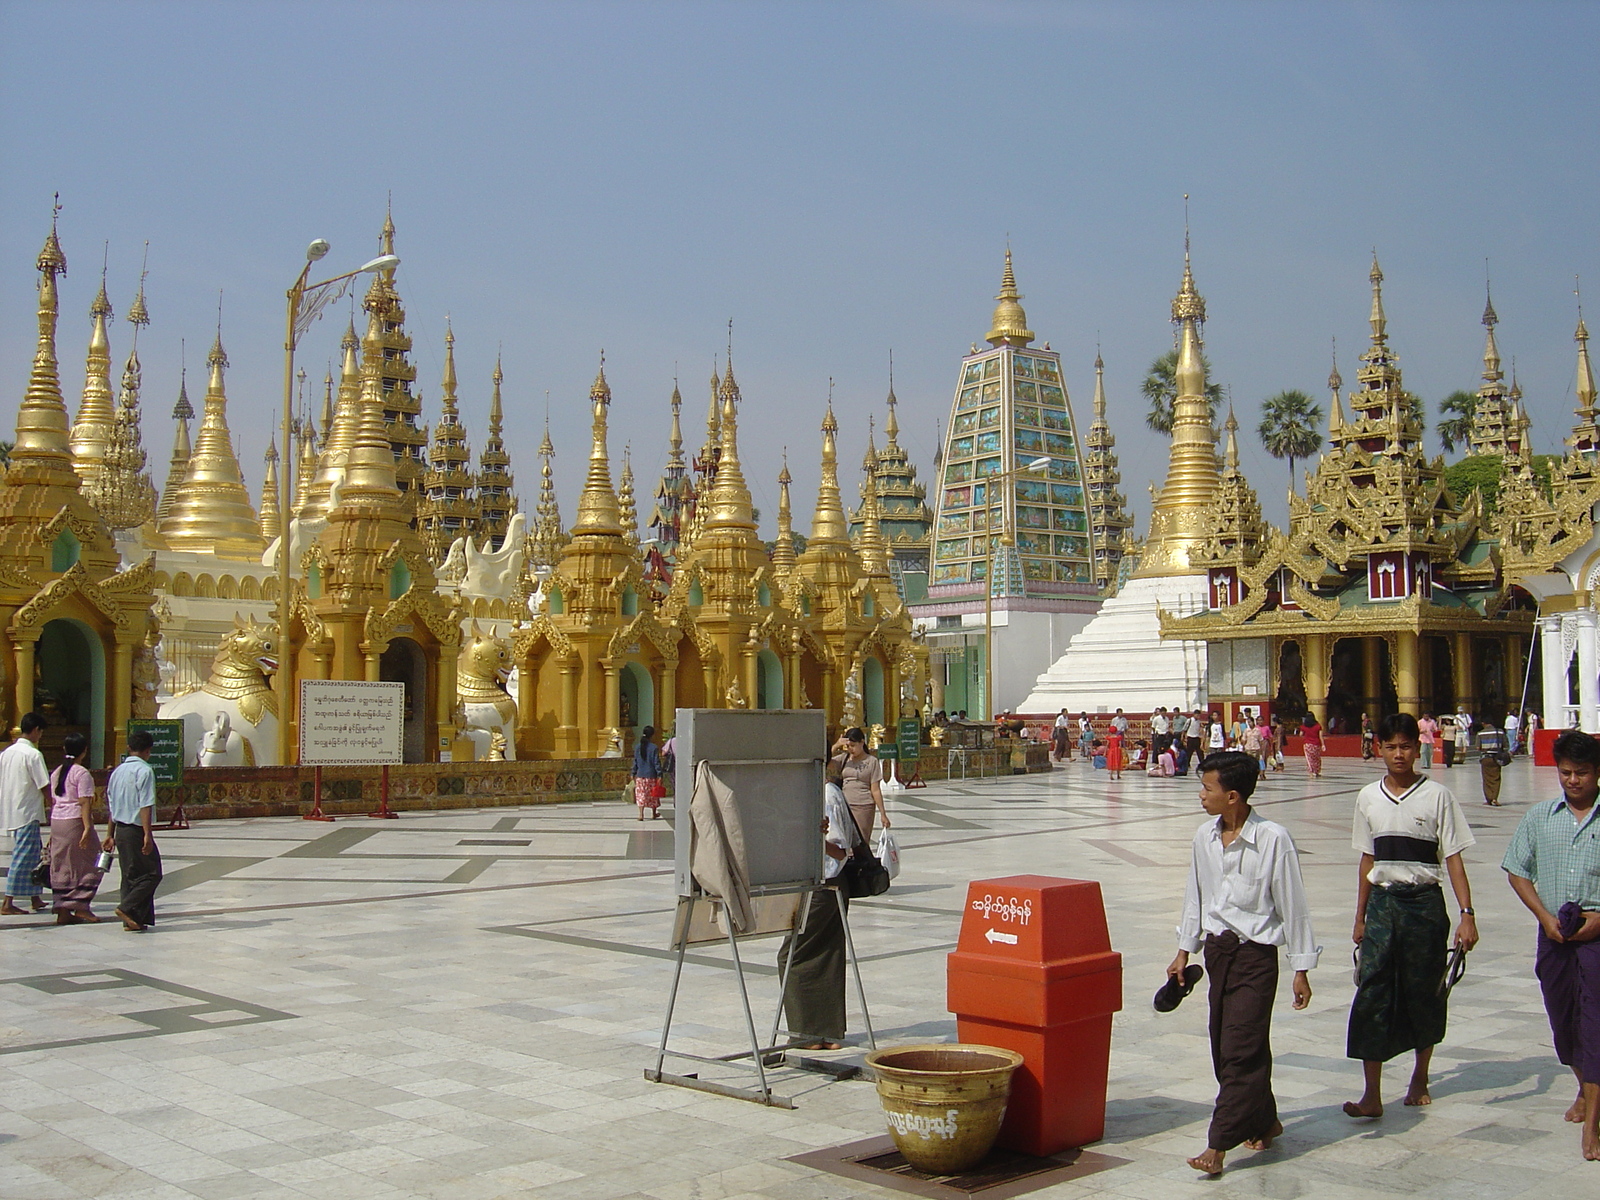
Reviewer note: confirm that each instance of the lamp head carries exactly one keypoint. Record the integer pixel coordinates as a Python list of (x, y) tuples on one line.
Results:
[(384, 262), (1037, 464), (316, 250)]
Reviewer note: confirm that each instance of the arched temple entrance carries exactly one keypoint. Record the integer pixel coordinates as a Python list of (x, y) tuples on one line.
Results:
[(769, 680), (70, 687), (638, 693), (404, 662)]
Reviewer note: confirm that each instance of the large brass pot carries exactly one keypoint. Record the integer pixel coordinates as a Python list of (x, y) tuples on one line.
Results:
[(944, 1103)]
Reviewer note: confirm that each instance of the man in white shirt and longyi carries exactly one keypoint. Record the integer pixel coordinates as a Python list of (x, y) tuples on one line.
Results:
[(1244, 900)]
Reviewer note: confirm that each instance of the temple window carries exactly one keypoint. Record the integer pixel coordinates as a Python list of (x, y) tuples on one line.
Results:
[(399, 579)]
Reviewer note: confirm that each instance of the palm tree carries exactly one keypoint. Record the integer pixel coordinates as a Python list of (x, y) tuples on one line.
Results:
[(1161, 389), (1291, 427), (1455, 412)]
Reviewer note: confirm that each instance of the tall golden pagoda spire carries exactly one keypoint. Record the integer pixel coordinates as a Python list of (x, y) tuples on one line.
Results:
[(369, 486), (496, 503), (1010, 325), (212, 510), (326, 424), (340, 434), (391, 346), (783, 557), (627, 504), (121, 490), (1182, 511), (269, 493), (675, 490), (178, 464), (1102, 478), (1493, 429), (41, 453), (828, 527), (598, 511), (729, 502), (448, 505), (547, 537), (91, 433), (870, 545)]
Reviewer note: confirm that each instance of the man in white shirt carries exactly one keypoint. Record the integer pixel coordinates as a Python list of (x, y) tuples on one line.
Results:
[(1160, 732), (23, 779), (1243, 900), (1061, 738), (1409, 832)]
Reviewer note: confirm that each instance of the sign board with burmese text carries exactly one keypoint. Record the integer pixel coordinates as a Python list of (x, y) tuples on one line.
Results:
[(351, 723)]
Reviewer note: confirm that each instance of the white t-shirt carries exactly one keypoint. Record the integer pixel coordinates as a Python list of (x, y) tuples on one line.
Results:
[(1409, 835), (1159, 723), (1217, 739)]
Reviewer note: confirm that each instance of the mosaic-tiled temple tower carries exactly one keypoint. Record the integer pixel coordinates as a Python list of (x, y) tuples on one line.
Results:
[(1010, 408)]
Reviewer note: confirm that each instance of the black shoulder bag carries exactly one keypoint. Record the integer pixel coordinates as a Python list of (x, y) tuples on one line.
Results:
[(863, 874)]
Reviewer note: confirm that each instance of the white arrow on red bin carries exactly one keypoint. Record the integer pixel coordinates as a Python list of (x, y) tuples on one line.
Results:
[(994, 935)]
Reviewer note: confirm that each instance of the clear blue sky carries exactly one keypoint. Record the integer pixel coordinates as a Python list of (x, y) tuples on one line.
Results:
[(839, 179)]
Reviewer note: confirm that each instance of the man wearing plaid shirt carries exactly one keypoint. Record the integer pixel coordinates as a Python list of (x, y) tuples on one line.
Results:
[(1554, 867)]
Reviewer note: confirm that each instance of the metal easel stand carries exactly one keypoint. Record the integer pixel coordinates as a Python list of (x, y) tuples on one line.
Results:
[(759, 1056)]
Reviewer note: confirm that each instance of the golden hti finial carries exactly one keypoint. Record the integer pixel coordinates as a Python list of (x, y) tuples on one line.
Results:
[(675, 437), (1491, 350), (1188, 304), (1335, 404), (783, 556), (1231, 455), (1010, 324), (891, 423), (1587, 397), (599, 512), (828, 524), (1099, 386), (1378, 321)]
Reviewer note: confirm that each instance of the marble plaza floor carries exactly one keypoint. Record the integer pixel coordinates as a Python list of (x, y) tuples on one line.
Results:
[(462, 1004)]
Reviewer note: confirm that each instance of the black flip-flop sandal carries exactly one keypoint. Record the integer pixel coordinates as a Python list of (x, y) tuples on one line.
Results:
[(1172, 992), (1454, 970)]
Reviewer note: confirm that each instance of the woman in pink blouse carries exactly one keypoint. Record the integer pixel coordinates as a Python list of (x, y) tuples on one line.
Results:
[(1428, 730), (74, 877)]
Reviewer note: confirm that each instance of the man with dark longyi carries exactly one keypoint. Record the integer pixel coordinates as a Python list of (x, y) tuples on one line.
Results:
[(1410, 833), (1553, 864), (1244, 900)]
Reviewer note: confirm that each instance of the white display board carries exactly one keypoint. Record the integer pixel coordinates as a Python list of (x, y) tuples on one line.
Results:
[(351, 723)]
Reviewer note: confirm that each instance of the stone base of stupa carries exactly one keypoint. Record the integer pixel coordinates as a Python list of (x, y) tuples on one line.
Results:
[(1120, 660)]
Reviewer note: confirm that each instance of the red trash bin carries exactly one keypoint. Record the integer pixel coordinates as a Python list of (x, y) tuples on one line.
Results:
[(1034, 972)]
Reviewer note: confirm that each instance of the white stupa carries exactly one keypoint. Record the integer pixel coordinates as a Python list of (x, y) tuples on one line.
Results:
[(1120, 660)]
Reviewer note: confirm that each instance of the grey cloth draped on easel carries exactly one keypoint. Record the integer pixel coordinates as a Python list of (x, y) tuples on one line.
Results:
[(716, 847)]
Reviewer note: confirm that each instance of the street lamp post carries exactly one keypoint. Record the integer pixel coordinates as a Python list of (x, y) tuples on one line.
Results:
[(1006, 539), (306, 304)]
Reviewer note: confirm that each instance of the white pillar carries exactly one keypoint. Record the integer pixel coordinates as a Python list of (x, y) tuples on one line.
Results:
[(1588, 680), (1553, 672)]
